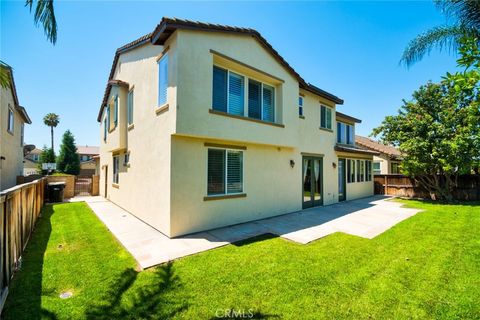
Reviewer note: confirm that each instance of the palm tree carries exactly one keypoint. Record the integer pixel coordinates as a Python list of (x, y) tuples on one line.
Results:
[(465, 13), (45, 14), (51, 120)]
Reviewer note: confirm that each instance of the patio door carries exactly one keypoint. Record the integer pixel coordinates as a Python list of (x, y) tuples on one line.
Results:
[(342, 180), (312, 182)]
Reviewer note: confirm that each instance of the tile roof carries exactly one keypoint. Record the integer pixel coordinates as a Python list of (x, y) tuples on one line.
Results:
[(168, 25), (88, 150), (377, 146)]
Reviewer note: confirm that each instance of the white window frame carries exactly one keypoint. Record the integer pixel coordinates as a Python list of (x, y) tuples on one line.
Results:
[(10, 120), (162, 58), (246, 78), (130, 113), (300, 106), (379, 170), (116, 175), (327, 109), (226, 193), (22, 134)]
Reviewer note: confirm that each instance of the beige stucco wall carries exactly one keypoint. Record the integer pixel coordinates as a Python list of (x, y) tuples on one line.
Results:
[(385, 163), (144, 185), (10, 144), (165, 182)]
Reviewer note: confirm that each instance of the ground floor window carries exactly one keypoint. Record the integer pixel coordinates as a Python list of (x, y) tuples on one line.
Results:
[(395, 168), (350, 171), (368, 170), (116, 161), (376, 168), (225, 171)]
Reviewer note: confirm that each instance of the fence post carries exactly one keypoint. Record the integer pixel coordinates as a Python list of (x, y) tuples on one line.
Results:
[(386, 185)]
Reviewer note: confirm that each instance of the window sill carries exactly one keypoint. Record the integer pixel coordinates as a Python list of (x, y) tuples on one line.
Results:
[(225, 196), (161, 109), (326, 129), (301, 117), (116, 185), (225, 114), (111, 130), (130, 127), (11, 132)]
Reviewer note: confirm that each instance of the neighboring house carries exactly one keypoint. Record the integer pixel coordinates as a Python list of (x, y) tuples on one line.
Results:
[(12, 120), (387, 161), (204, 126), (30, 167), (86, 153), (34, 155)]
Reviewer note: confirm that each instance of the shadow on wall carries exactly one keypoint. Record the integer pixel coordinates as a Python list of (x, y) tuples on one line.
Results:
[(153, 300)]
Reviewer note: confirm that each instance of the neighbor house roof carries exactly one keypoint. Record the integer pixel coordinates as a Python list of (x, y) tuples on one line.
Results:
[(88, 150), (168, 25), (370, 144), (354, 149), (18, 107)]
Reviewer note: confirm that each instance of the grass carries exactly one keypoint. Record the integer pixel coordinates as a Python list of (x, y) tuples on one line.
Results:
[(425, 267)]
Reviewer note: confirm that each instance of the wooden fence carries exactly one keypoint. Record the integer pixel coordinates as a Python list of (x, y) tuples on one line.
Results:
[(401, 186), (19, 209)]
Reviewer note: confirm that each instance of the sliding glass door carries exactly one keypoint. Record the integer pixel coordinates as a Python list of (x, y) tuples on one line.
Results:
[(312, 180)]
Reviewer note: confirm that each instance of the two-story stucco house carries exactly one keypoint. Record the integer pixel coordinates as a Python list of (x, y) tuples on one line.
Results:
[(204, 126), (12, 120)]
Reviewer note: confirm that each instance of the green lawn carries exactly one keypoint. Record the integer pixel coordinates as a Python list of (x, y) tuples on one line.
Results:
[(425, 267)]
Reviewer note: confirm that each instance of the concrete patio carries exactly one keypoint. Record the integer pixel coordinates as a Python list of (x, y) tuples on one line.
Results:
[(365, 218)]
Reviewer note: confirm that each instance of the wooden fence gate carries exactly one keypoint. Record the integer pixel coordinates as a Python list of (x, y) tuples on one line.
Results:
[(83, 186), (19, 209)]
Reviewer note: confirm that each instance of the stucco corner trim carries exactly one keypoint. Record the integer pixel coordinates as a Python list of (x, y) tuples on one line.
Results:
[(326, 129), (225, 114), (225, 196), (225, 146), (162, 109)]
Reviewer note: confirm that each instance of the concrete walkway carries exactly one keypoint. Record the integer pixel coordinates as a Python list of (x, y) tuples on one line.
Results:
[(366, 218)]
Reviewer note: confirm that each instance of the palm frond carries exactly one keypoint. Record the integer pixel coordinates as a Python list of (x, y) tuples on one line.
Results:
[(442, 38), (467, 12), (4, 75), (45, 14)]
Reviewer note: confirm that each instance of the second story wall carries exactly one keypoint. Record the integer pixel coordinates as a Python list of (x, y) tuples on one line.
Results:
[(198, 54)]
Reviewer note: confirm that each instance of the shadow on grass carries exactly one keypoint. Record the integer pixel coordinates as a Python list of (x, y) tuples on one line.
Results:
[(156, 299), (255, 239), (26, 285)]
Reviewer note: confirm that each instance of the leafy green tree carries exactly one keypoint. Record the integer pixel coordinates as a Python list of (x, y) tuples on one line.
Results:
[(466, 17), (52, 120), (438, 131), (46, 156), (44, 14), (68, 160)]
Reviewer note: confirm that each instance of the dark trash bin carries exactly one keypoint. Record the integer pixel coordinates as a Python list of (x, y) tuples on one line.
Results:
[(55, 191)]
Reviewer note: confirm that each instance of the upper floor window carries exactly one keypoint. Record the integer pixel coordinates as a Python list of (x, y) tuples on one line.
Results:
[(10, 121), (162, 80), (300, 106), (325, 117), (115, 112), (345, 133), (105, 128), (22, 134), (225, 171), (130, 107), (229, 95), (108, 118)]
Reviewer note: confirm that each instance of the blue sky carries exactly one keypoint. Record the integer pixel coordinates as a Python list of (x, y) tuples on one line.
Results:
[(350, 49)]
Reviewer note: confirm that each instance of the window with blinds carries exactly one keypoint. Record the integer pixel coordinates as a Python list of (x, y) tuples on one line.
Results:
[(115, 112), (116, 164), (236, 93), (130, 107), (162, 80), (219, 99), (230, 90), (225, 172)]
